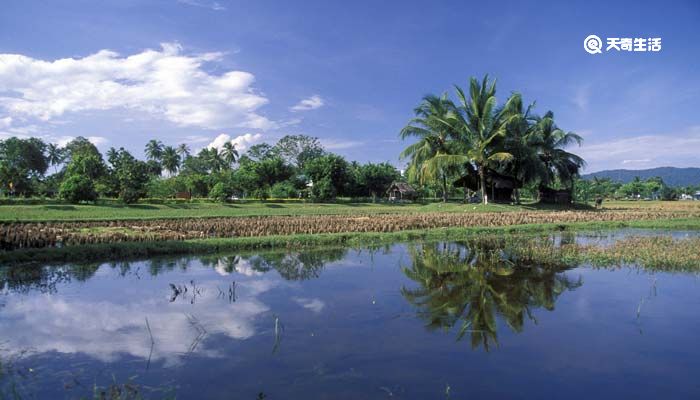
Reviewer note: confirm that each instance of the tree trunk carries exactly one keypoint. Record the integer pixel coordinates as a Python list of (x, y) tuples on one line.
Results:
[(444, 188), (482, 177)]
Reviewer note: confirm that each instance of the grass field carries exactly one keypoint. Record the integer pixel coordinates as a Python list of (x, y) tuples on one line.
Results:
[(116, 211)]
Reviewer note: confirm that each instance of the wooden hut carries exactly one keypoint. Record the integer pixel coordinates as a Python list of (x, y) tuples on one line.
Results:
[(553, 196), (499, 187), (399, 191)]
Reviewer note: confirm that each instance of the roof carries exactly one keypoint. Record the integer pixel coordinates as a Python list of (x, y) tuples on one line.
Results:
[(402, 187)]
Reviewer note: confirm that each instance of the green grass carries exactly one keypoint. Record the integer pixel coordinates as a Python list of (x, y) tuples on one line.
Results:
[(136, 250), (114, 211)]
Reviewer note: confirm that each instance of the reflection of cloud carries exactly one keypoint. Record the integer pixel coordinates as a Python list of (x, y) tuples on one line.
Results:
[(105, 329), (316, 305), (242, 267)]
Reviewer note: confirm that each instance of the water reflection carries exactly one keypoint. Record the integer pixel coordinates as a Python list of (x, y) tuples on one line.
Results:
[(467, 285)]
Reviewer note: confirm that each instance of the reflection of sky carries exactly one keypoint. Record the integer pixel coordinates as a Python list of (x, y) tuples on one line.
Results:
[(79, 319), (352, 331)]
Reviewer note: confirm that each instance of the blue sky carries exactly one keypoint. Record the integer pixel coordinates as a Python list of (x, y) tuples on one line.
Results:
[(350, 73)]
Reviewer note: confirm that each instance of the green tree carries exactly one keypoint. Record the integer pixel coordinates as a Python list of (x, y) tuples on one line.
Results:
[(298, 149), (229, 153), (329, 173), (559, 163), (55, 155), (170, 160), (21, 162), (154, 150), (77, 188), (480, 126), (374, 179), (432, 156)]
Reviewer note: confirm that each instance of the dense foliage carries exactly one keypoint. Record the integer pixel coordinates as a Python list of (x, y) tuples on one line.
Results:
[(475, 138), (297, 166)]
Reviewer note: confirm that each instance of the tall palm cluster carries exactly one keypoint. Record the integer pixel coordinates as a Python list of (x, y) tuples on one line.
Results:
[(475, 137), (171, 159)]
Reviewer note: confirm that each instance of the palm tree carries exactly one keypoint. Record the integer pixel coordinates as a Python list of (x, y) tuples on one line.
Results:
[(183, 150), (55, 155), (229, 153), (522, 141), (112, 155), (557, 161), (171, 160), (154, 150), (431, 154), (480, 125)]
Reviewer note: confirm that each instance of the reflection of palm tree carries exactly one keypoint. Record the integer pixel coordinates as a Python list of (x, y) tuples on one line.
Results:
[(466, 283)]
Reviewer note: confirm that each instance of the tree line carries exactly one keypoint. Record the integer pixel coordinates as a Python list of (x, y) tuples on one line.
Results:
[(475, 137), (296, 166)]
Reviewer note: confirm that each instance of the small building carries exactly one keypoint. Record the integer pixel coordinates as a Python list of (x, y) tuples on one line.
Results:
[(399, 191), (696, 196), (553, 196), (499, 187)]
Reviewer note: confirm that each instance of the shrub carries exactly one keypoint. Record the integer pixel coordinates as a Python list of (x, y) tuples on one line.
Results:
[(323, 190), (77, 188), (220, 192), (284, 190)]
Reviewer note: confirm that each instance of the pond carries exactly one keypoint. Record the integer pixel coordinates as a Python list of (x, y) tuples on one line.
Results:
[(407, 321)]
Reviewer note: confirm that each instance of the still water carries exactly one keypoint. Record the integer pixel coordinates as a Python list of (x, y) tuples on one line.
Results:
[(406, 321)]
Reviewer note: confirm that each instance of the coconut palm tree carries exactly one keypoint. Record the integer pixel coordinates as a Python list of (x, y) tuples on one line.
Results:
[(183, 150), (171, 160), (557, 161), (229, 153), (522, 141), (55, 155), (154, 150), (430, 156), (480, 125)]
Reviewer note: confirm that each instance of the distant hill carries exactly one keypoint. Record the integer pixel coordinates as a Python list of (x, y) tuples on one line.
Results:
[(672, 176)]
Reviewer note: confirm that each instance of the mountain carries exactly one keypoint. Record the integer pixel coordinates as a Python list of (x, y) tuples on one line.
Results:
[(672, 176)]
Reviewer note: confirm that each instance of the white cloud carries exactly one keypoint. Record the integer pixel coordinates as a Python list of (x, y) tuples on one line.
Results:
[(242, 142), (646, 151), (61, 141), (215, 5), (311, 103), (164, 83), (332, 144), (5, 122), (582, 97)]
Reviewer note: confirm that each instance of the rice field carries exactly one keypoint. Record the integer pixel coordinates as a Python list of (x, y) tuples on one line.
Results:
[(23, 235)]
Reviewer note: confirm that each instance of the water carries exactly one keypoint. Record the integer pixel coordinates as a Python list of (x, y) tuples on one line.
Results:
[(342, 324)]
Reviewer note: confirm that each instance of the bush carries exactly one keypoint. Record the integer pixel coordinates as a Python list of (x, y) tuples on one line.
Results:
[(220, 192), (77, 188), (323, 190), (284, 190)]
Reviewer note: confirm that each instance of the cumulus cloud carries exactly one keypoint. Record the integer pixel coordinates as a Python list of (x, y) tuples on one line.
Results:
[(311, 103), (242, 142), (165, 83), (646, 151)]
